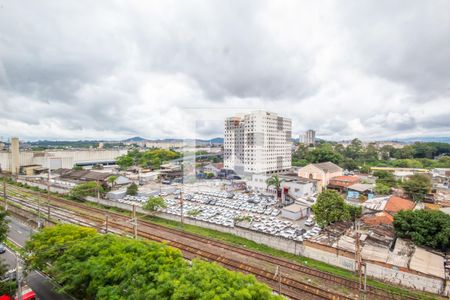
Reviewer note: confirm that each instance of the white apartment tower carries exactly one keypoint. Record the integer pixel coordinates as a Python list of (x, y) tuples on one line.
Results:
[(309, 137), (259, 142)]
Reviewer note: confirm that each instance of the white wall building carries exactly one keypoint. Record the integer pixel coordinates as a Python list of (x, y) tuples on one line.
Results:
[(258, 143), (308, 138), (13, 160)]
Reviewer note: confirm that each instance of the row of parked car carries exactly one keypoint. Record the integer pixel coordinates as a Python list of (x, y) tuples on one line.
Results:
[(225, 209), (259, 205), (136, 200), (282, 228), (202, 212)]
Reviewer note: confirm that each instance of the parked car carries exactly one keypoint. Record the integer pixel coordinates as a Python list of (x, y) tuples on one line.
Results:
[(2, 248)]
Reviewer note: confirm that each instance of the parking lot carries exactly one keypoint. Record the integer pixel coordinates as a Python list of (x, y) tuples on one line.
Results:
[(256, 212)]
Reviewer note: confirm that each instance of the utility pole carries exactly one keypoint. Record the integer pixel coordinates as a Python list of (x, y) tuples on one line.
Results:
[(106, 222), (135, 222), (48, 190), (39, 210), (182, 204), (98, 192), (181, 196), (278, 273), (362, 277), (19, 278), (4, 193)]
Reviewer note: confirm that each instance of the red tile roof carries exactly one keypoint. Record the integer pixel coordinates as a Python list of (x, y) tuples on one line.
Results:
[(378, 219), (344, 181), (396, 204)]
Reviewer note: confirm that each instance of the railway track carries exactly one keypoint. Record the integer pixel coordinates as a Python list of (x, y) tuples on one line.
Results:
[(372, 292), (293, 289)]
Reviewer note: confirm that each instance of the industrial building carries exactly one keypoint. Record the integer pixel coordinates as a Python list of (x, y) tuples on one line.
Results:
[(15, 160)]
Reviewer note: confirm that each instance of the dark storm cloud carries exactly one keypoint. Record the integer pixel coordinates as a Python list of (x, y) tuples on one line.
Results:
[(112, 69)]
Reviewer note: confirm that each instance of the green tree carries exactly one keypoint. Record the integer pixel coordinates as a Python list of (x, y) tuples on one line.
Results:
[(417, 187), (382, 189), (82, 190), (112, 180), (371, 153), (364, 169), (154, 203), (385, 178), (275, 181), (3, 226), (95, 266), (330, 207), (355, 149), (405, 152), (349, 164), (7, 287), (77, 168), (132, 189), (424, 227), (324, 153), (354, 211), (387, 152), (124, 161)]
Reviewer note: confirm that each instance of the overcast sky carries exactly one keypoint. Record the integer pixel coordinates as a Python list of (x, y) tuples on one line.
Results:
[(160, 69)]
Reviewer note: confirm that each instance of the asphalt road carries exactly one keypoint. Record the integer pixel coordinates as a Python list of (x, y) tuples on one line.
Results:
[(41, 284)]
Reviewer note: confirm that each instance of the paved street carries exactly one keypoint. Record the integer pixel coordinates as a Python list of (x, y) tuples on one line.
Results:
[(40, 284)]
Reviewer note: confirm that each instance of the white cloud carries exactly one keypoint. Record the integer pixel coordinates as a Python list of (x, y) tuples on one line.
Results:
[(83, 69)]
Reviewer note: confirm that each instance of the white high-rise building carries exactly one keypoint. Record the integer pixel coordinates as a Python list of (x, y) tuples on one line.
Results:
[(259, 142), (308, 138)]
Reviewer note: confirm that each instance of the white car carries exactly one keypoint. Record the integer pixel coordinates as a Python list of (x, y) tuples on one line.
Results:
[(316, 229)]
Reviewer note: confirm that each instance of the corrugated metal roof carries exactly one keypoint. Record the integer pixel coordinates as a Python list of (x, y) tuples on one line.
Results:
[(427, 262), (375, 252), (328, 167)]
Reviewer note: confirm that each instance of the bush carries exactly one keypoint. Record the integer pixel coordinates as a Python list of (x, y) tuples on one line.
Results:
[(132, 189)]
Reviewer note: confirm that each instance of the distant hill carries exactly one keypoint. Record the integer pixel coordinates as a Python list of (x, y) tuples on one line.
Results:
[(135, 139), (217, 140)]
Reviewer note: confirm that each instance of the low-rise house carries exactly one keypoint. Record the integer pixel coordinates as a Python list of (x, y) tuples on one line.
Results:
[(296, 187), (170, 171), (388, 258), (354, 191), (322, 172), (396, 204), (379, 218), (340, 183), (121, 180), (295, 211), (441, 177), (375, 204), (213, 168)]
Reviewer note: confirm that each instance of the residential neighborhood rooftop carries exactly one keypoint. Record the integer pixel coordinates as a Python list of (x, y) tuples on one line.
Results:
[(396, 204)]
